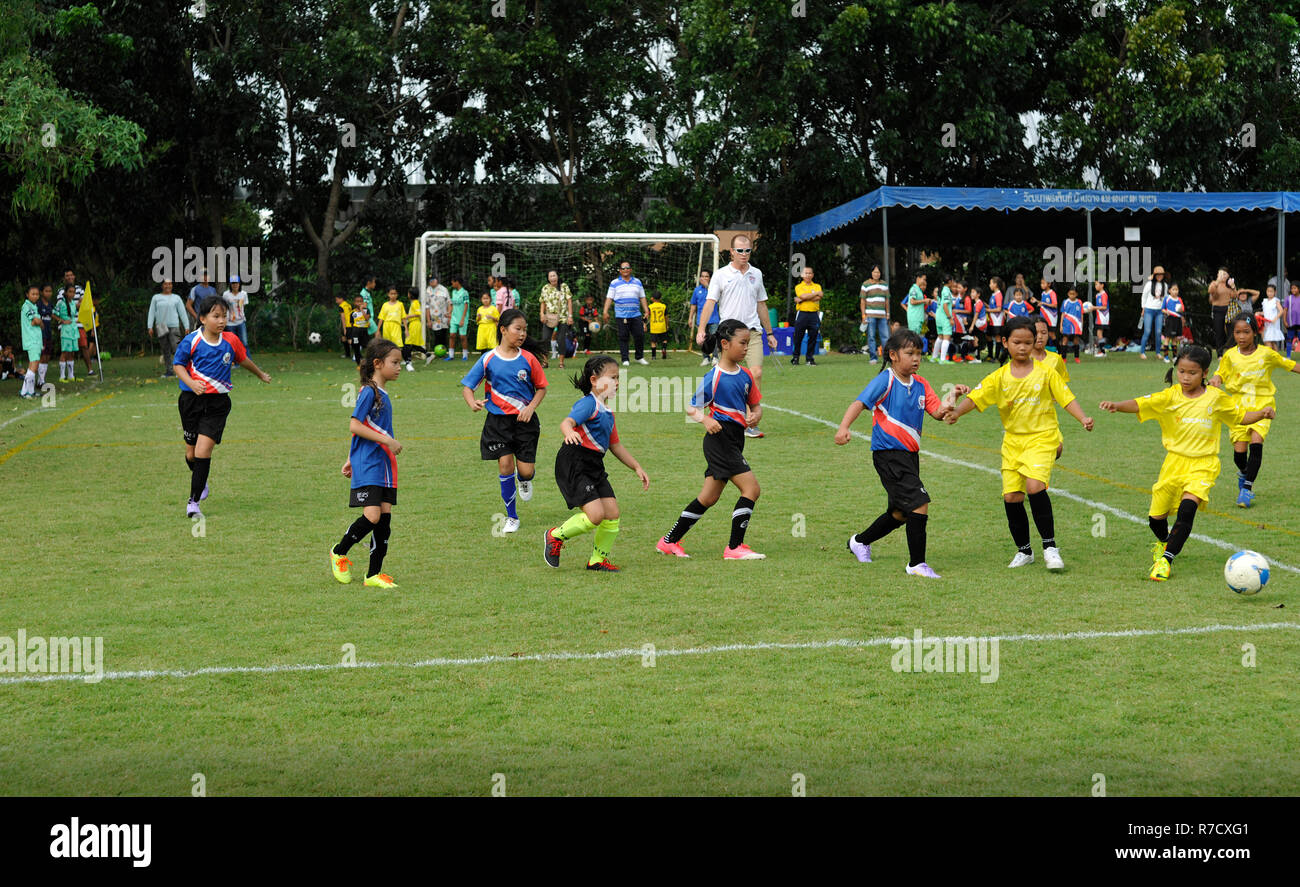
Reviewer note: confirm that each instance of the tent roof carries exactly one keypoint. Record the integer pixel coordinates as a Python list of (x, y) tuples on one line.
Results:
[(989, 204)]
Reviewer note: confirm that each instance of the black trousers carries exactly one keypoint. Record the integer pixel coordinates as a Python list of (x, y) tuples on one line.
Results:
[(634, 327), (806, 322), (1219, 320)]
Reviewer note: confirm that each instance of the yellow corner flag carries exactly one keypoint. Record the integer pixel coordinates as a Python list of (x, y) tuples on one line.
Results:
[(86, 313)]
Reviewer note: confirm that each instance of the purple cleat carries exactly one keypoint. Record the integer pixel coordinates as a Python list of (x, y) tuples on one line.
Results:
[(204, 494), (192, 509), (860, 550), (923, 570)]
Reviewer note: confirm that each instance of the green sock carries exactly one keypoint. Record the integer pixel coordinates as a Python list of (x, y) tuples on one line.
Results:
[(574, 527), (604, 541)]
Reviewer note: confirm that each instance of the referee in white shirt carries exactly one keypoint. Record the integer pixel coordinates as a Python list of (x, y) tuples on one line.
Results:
[(737, 292)]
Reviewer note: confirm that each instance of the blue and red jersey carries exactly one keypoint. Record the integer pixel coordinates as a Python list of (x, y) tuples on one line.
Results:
[(1018, 309), (1072, 317), (961, 313), (1047, 306), (897, 408), (210, 364), (594, 423), (1173, 306), (981, 314), (373, 464), (727, 394), (510, 383)]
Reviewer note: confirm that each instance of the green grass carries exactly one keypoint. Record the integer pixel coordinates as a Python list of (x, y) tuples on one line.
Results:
[(92, 493)]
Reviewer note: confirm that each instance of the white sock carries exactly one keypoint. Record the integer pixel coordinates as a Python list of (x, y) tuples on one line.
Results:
[(29, 383), (943, 349), (40, 377)]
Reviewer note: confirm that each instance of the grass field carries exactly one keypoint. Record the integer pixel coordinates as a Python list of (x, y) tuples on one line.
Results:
[(762, 670)]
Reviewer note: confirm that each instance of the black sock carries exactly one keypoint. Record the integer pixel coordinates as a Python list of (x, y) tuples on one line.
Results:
[(189, 463), (916, 538), (690, 514), (1041, 505), (379, 543), (1240, 460), (358, 531), (879, 529), (199, 477), (740, 521), (1252, 464), (1182, 528), (1018, 521), (1159, 526)]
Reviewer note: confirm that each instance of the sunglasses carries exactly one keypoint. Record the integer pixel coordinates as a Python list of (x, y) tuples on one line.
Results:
[(743, 252), (625, 268)]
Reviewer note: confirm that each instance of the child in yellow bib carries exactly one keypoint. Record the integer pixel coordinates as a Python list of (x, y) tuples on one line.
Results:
[(1246, 371), (392, 314), (1024, 391), (1190, 416), (658, 324)]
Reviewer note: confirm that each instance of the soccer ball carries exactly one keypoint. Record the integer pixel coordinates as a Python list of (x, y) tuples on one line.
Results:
[(594, 326), (440, 351), (314, 338), (1246, 572)]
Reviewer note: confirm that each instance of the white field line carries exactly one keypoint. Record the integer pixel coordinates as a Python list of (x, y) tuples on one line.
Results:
[(22, 416), (1056, 491), (637, 652)]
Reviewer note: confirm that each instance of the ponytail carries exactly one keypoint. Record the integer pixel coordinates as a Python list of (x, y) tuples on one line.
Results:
[(378, 349)]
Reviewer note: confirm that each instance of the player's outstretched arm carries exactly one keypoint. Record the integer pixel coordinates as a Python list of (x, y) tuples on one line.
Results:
[(253, 368), (1076, 411), (1123, 406), (620, 452), (842, 434)]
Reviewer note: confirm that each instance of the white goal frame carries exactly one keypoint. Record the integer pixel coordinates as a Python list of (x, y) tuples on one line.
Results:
[(420, 267)]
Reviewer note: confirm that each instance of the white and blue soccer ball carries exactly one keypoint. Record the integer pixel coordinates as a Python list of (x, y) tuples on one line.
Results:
[(1246, 572), (314, 338)]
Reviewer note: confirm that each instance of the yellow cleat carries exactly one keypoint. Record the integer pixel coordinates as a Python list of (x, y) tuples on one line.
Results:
[(341, 566), (381, 580), (1160, 570), (1157, 551)]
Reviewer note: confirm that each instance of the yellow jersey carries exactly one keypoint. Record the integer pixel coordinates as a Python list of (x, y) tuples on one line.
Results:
[(804, 290), (391, 316), (486, 317), (658, 317), (1054, 361), (1249, 376), (1189, 426), (1025, 405), (415, 328)]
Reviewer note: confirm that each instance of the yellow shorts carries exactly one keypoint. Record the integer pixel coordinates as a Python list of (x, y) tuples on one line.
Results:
[(1028, 455), (1241, 433), (1179, 475)]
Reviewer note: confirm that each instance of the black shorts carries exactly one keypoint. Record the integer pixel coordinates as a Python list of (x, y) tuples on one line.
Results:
[(900, 475), (1101, 330), (360, 497), (580, 475), (503, 435), (724, 452), (203, 414), (358, 335), (1173, 327)]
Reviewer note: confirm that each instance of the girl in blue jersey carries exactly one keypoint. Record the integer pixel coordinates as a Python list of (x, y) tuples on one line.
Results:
[(1047, 306), (372, 464), (514, 384), (202, 363), (1071, 324), (731, 393), (589, 432), (898, 400)]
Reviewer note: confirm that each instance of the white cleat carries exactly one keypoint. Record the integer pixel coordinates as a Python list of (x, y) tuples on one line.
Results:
[(1052, 558), (643, 361), (511, 525), (704, 362), (525, 490), (1020, 560)]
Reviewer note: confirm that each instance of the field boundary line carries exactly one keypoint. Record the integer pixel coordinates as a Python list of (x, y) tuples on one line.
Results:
[(638, 652), (66, 419), (1056, 491)]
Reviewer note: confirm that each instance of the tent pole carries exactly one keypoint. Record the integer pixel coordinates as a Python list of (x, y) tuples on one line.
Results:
[(1281, 253), (884, 232), (1092, 272)]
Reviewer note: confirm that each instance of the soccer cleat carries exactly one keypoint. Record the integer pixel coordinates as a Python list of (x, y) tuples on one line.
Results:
[(511, 525), (704, 362), (525, 489), (794, 361), (1052, 558), (192, 509), (625, 363), (673, 548), (1157, 551), (603, 566), (1245, 498), (449, 357), (551, 548), (204, 494), (860, 550), (410, 367), (341, 566), (1020, 560), (1159, 570), (811, 362), (1241, 481), (643, 361), (742, 552), (752, 432), (923, 569), (381, 580), (1076, 359), (973, 360)]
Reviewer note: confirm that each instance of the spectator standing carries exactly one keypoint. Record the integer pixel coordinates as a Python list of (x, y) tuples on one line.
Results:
[(697, 305), (168, 321), (807, 315), (236, 310), (556, 310), (1153, 305), (198, 293), (628, 298), (874, 303)]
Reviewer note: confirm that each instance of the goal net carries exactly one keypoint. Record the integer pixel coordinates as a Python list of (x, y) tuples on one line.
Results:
[(587, 262)]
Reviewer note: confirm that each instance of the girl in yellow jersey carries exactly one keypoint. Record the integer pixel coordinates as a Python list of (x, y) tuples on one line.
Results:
[(1023, 391), (414, 322), (1246, 371), (392, 316), (1189, 415)]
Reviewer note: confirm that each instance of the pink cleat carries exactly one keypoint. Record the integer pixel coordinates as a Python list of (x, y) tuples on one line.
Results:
[(741, 552), (860, 550), (673, 548), (923, 570)]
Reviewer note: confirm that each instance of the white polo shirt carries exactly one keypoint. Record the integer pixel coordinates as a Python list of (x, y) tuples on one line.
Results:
[(737, 294)]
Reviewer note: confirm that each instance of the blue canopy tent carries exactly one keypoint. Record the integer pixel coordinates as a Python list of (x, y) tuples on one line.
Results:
[(989, 216)]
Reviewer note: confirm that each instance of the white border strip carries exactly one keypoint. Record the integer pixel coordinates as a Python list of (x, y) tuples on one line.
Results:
[(1056, 491), (636, 653)]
